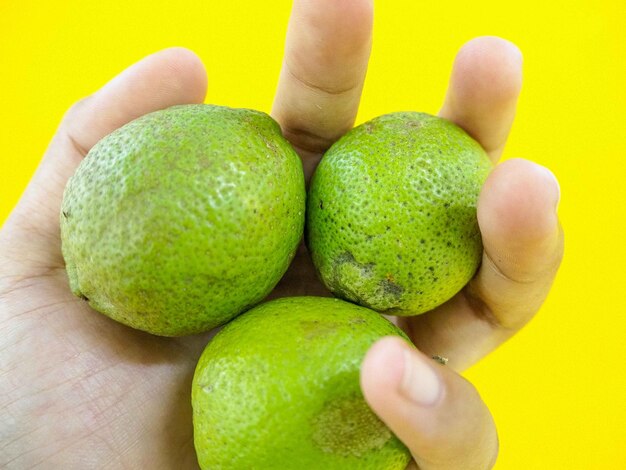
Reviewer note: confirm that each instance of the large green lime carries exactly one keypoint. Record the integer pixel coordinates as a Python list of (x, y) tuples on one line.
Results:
[(278, 388), (181, 219), (391, 218)]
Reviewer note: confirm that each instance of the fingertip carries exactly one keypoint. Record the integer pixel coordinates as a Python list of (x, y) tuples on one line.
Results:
[(174, 75), (397, 379), (165, 78), (488, 65), (382, 370), (188, 74), (519, 202), (332, 31)]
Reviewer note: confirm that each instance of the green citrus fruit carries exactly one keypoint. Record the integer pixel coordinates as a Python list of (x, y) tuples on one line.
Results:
[(391, 218), (181, 219), (278, 388)]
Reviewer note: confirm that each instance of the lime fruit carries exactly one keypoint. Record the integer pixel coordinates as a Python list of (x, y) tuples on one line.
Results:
[(278, 388), (391, 213), (183, 218)]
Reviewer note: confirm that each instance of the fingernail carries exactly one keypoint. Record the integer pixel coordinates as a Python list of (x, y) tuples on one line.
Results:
[(420, 383)]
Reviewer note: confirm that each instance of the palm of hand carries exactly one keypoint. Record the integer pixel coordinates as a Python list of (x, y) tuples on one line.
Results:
[(102, 389)]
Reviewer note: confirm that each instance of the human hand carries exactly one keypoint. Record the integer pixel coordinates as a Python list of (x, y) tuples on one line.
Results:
[(79, 390)]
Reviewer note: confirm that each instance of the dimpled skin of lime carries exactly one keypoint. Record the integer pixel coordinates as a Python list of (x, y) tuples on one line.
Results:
[(391, 213), (181, 219), (278, 388)]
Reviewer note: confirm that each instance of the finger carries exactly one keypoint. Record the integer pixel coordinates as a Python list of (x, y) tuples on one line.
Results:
[(170, 77), (166, 78), (482, 95), (326, 53), (523, 247), (436, 413)]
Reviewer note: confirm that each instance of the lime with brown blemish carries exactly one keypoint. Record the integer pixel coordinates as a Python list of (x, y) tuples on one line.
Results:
[(178, 221), (391, 213), (278, 388)]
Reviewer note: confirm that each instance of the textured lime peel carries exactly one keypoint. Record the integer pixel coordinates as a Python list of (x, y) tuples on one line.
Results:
[(278, 389), (181, 219), (391, 213)]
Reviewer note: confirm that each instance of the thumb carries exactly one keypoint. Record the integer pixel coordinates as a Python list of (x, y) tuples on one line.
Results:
[(436, 413)]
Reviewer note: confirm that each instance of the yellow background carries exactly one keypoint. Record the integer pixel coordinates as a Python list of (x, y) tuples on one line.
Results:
[(557, 390)]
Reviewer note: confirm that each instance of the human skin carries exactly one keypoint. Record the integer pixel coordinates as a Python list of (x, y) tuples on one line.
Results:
[(78, 390)]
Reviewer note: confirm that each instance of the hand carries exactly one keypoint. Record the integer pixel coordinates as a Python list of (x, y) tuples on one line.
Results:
[(79, 390)]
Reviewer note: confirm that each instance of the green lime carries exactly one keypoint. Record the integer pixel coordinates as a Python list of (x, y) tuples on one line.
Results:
[(278, 388), (183, 218), (391, 218)]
